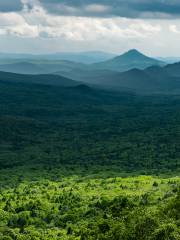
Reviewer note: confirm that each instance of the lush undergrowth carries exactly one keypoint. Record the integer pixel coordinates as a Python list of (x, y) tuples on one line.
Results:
[(68, 203)]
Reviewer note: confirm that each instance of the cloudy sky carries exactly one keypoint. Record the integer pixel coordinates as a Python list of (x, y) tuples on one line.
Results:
[(42, 26)]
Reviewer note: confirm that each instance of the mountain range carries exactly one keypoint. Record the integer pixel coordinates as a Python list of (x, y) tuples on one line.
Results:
[(131, 71), (129, 60)]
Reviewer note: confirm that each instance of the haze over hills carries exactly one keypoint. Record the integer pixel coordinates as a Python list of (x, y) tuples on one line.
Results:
[(132, 71), (85, 57), (53, 63), (152, 79), (41, 67), (79, 57), (169, 60), (147, 81)]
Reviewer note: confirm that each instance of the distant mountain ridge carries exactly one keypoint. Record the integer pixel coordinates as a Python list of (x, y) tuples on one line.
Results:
[(40, 67), (129, 60), (88, 57), (143, 74), (169, 60), (22, 68), (154, 79)]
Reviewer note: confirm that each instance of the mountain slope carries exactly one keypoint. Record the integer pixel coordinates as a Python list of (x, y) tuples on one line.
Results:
[(134, 79), (129, 60), (40, 67), (22, 68), (173, 69), (45, 79)]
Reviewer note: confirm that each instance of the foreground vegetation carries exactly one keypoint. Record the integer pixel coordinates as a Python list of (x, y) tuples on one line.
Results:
[(69, 203), (80, 163)]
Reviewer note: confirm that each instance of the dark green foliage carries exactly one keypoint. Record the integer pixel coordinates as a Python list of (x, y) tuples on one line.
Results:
[(80, 125)]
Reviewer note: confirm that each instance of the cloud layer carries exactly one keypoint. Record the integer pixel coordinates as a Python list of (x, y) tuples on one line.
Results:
[(66, 25), (101, 8), (109, 8), (37, 22)]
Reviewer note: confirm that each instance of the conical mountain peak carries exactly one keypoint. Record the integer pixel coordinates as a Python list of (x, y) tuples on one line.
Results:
[(133, 51)]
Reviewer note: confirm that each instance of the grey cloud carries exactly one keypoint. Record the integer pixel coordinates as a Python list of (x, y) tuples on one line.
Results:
[(10, 5), (101, 8), (123, 8)]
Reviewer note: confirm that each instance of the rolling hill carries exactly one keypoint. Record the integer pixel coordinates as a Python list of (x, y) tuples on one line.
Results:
[(40, 67), (22, 68), (160, 79), (44, 79)]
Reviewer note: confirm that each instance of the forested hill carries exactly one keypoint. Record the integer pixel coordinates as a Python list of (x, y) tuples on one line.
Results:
[(90, 127), (44, 79)]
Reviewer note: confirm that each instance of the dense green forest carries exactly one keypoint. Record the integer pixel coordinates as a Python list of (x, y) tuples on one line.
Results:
[(83, 163)]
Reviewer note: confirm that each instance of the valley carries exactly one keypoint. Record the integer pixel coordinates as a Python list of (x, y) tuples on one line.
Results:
[(90, 154)]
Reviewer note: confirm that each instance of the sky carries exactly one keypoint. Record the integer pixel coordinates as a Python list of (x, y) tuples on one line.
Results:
[(46, 26)]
